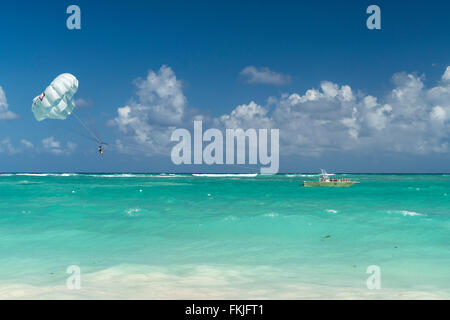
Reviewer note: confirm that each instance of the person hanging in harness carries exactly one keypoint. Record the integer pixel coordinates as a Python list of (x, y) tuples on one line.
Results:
[(100, 150)]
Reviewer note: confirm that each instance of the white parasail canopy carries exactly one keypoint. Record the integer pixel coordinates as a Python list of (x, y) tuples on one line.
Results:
[(56, 102)]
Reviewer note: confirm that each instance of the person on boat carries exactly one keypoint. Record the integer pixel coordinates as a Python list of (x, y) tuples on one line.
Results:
[(100, 150)]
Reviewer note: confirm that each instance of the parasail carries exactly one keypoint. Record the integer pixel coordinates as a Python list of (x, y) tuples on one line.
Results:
[(56, 102)]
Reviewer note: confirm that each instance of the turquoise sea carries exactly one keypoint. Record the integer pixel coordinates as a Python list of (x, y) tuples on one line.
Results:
[(183, 236)]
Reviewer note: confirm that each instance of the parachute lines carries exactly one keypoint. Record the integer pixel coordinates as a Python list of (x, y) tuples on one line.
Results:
[(93, 135)]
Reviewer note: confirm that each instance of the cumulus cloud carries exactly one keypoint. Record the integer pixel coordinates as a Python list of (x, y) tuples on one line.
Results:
[(410, 118), (446, 75), (7, 147), (264, 75), (27, 143), (53, 146), (149, 118), (5, 113), (83, 103)]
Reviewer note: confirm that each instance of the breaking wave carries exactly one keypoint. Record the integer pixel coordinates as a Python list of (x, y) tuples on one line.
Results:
[(224, 175), (304, 175), (43, 174), (407, 213)]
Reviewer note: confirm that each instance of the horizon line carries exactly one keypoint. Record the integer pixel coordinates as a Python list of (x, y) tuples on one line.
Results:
[(258, 173)]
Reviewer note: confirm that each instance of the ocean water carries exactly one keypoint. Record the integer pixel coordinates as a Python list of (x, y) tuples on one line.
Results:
[(158, 236)]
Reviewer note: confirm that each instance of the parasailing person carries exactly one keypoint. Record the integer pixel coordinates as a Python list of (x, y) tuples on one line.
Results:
[(56, 102)]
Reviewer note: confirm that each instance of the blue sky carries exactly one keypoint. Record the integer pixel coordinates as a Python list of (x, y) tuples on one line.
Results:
[(263, 56)]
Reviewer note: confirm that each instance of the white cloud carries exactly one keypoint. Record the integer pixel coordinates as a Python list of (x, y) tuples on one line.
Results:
[(264, 75), (7, 147), (53, 146), (48, 145), (80, 102), (71, 146), (407, 120), (439, 114), (446, 75), (5, 114), (159, 106), (245, 115), (27, 143), (411, 118)]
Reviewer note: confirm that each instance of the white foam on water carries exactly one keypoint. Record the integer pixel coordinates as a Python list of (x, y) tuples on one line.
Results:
[(271, 215), (133, 212), (136, 175), (224, 175), (172, 175), (411, 213), (407, 213), (120, 175), (230, 218), (332, 211), (46, 174), (303, 175)]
